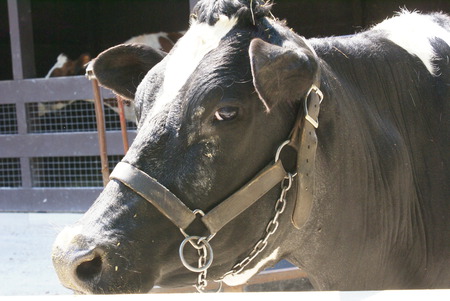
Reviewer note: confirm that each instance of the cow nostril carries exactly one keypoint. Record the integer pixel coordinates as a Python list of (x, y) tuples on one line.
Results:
[(90, 269)]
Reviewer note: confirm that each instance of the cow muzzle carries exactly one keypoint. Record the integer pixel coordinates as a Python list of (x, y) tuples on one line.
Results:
[(92, 262), (78, 265)]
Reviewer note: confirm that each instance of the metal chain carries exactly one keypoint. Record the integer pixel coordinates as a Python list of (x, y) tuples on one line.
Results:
[(201, 279), (271, 228), (202, 244)]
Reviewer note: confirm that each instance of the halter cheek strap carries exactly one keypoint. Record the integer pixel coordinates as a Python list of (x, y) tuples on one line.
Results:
[(238, 202), (306, 156)]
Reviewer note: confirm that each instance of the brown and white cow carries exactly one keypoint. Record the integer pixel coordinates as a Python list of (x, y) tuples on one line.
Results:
[(65, 66)]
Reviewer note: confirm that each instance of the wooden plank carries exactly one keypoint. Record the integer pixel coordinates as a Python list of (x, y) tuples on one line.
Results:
[(60, 144), (25, 171), (278, 275), (48, 199), (267, 276), (52, 89), (285, 296)]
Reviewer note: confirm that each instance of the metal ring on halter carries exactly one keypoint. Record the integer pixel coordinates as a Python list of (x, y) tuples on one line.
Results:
[(278, 153), (205, 245), (280, 148), (200, 213)]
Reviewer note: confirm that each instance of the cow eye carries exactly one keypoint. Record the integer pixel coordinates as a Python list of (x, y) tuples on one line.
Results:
[(226, 113)]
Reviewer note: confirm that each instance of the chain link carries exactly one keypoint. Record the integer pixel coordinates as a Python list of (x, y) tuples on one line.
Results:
[(271, 228), (201, 279)]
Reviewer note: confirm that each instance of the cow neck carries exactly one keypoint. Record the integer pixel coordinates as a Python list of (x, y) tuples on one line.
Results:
[(303, 138)]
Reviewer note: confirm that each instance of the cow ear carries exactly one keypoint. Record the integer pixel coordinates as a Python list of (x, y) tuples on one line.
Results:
[(281, 73), (122, 68)]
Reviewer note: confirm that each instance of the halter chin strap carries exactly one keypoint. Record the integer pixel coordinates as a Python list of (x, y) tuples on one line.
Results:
[(303, 139)]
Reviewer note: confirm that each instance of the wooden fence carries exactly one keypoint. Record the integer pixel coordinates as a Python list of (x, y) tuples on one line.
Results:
[(44, 169)]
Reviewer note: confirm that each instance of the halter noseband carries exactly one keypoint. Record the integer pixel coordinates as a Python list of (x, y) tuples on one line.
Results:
[(175, 210)]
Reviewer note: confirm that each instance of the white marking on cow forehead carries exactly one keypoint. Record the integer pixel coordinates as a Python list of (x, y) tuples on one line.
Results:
[(233, 280), (413, 31), (200, 39)]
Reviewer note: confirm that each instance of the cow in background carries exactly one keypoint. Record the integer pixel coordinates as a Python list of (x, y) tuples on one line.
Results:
[(65, 66), (162, 40)]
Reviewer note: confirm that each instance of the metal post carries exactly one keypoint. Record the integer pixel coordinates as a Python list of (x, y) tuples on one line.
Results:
[(123, 123), (100, 117), (21, 33)]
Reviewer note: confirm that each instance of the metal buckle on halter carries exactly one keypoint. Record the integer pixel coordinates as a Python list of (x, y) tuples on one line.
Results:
[(314, 123)]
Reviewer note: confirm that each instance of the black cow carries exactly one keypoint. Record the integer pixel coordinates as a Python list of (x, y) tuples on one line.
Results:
[(364, 198)]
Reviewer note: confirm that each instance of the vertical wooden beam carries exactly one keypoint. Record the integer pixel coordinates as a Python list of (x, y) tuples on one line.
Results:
[(358, 14), (25, 170), (21, 33), (192, 4), (22, 128)]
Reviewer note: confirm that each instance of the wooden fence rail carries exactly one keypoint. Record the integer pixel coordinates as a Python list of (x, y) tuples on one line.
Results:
[(265, 277)]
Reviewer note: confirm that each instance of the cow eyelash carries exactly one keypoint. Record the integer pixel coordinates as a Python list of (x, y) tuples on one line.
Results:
[(226, 113)]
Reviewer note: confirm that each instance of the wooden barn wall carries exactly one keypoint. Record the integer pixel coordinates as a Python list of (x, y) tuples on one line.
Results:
[(90, 26), (320, 18), (75, 27), (5, 48)]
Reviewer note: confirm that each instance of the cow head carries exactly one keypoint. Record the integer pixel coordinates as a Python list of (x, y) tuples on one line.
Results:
[(211, 114), (67, 67)]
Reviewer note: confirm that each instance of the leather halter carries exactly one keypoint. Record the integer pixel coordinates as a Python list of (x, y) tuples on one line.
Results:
[(175, 210), (302, 138), (306, 141)]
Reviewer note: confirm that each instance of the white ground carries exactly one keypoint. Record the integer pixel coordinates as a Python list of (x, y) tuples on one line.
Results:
[(25, 253), (26, 269)]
